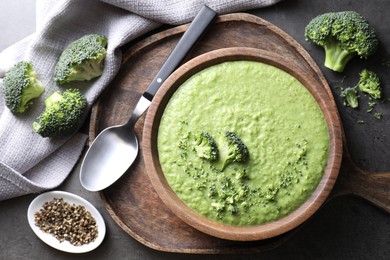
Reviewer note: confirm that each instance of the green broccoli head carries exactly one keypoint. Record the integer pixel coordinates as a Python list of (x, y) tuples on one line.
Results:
[(21, 86), (343, 35), (350, 97), (62, 115), (205, 146), (232, 149), (369, 83), (82, 59)]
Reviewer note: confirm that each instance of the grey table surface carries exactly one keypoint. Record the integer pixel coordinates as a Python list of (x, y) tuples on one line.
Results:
[(346, 228)]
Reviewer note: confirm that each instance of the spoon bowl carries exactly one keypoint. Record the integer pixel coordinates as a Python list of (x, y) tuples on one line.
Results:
[(117, 144), (112, 152)]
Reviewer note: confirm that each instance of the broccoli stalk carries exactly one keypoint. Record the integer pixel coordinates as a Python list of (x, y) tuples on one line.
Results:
[(369, 83), (343, 35), (336, 58), (21, 86), (81, 60), (53, 98), (205, 146), (62, 115), (232, 149)]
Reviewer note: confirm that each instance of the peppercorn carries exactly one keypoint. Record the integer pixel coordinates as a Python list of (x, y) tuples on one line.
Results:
[(65, 221)]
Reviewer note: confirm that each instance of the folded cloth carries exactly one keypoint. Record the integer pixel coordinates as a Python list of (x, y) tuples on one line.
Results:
[(32, 164)]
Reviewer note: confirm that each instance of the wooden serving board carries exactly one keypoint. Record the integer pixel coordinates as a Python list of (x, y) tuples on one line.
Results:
[(132, 201)]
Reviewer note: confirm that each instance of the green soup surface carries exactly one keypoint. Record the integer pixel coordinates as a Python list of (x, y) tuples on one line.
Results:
[(277, 119)]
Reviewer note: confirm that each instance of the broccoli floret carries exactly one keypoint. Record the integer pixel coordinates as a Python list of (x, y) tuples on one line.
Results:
[(231, 149), (343, 35), (369, 83), (205, 146), (62, 114), (350, 97), (20, 86), (82, 59)]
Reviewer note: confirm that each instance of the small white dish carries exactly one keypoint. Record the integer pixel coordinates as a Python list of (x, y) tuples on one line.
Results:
[(49, 239)]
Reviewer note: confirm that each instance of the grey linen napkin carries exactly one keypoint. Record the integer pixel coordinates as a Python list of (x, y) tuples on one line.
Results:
[(32, 164)]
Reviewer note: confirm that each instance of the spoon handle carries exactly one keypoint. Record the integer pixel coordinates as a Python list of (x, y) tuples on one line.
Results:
[(187, 41)]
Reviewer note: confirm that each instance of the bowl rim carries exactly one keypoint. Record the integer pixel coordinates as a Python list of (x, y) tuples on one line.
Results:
[(217, 229)]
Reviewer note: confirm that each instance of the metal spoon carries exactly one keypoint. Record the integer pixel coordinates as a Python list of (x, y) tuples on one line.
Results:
[(115, 148)]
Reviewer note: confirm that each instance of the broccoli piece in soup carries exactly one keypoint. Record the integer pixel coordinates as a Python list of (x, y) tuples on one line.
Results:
[(231, 150), (205, 146)]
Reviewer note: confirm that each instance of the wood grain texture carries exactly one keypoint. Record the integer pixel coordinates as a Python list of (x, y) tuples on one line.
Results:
[(132, 201), (371, 186)]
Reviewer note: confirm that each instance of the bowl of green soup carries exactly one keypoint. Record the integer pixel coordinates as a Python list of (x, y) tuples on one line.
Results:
[(241, 145)]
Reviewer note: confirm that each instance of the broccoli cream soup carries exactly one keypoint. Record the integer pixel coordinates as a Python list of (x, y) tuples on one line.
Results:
[(243, 143)]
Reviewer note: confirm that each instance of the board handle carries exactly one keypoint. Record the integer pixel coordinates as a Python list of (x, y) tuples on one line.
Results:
[(371, 186)]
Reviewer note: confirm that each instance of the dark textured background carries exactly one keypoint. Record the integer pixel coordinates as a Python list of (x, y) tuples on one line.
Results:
[(346, 228)]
